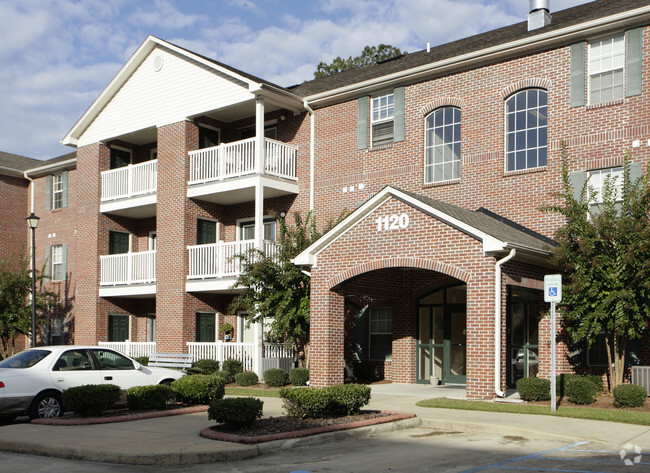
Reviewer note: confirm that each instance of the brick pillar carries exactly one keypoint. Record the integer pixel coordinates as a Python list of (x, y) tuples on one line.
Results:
[(327, 362), (175, 313), (404, 329)]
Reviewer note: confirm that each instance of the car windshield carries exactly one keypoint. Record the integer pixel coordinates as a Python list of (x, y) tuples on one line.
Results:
[(25, 359)]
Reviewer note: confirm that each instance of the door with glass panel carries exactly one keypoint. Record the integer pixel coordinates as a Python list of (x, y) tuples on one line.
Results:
[(523, 334), (441, 345)]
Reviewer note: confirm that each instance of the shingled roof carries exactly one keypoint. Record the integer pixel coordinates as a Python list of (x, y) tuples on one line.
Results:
[(17, 162), (561, 19)]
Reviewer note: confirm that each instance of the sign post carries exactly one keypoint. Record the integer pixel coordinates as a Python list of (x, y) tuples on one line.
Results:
[(553, 294)]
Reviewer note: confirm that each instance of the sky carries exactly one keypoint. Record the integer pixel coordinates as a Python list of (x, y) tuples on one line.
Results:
[(58, 55)]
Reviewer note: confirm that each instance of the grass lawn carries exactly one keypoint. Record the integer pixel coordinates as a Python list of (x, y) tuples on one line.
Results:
[(610, 415), (252, 392)]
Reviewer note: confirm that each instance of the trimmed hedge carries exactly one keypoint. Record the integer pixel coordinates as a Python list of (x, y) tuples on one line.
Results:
[(199, 388), (91, 399), (227, 377), (155, 396), (207, 366), (629, 395), (580, 390), (534, 389), (299, 376), (276, 377), (562, 379), (233, 366), (247, 378), (347, 399), (236, 412), (143, 360)]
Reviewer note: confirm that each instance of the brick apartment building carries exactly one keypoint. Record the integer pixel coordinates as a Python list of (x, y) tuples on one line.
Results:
[(443, 157)]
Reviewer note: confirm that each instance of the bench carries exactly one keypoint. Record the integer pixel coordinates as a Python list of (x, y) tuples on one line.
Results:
[(171, 360)]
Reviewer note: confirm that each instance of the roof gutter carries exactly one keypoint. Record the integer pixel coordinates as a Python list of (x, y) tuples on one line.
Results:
[(39, 171), (541, 40), (11, 172)]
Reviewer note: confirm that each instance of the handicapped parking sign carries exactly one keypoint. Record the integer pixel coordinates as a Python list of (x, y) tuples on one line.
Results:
[(553, 288)]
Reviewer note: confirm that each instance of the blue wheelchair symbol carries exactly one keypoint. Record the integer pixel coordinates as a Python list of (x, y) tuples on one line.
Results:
[(552, 291)]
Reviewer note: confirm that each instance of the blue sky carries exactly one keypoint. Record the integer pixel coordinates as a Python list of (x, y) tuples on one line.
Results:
[(58, 55)]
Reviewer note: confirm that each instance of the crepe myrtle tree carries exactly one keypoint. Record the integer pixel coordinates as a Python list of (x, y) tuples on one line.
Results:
[(604, 253), (277, 289), (370, 55)]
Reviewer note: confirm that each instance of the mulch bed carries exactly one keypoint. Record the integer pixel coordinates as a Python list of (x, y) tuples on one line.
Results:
[(279, 428), (121, 415)]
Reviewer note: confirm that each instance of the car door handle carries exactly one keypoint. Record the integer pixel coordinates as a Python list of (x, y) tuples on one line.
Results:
[(108, 378)]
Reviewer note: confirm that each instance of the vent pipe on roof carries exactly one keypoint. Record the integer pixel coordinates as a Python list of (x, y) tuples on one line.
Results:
[(539, 15)]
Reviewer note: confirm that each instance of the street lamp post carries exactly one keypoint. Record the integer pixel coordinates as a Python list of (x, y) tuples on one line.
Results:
[(32, 223)]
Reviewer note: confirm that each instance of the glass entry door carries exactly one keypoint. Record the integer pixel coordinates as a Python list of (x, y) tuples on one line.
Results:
[(523, 334), (441, 347)]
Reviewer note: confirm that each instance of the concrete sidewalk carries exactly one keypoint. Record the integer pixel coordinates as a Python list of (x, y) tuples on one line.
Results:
[(175, 440)]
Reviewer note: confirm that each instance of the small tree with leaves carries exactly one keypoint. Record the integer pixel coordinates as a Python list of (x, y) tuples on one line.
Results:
[(15, 303), (370, 55), (278, 289), (604, 252)]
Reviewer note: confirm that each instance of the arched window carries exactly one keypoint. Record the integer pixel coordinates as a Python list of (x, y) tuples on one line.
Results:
[(442, 147), (526, 138)]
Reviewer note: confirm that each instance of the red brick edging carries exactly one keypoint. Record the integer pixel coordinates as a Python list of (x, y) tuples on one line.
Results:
[(119, 418), (209, 433)]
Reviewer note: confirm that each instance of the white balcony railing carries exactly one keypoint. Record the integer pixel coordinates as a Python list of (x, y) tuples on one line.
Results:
[(220, 260), (130, 181), (128, 268), (237, 159), (132, 349)]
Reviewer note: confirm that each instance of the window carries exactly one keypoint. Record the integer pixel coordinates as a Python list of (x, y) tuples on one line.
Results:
[(382, 114), (270, 131), (247, 230), (206, 327), (151, 328), (381, 333), (597, 185), (606, 69), (56, 191), (120, 158), (597, 353), (442, 147), (153, 236), (526, 139), (118, 328), (58, 267), (208, 137)]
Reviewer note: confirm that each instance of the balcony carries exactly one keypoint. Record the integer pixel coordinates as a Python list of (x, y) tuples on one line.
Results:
[(227, 174), (128, 274), (130, 191), (215, 267)]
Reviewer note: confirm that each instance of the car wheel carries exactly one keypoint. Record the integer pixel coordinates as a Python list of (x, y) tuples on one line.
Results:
[(46, 406), (167, 382)]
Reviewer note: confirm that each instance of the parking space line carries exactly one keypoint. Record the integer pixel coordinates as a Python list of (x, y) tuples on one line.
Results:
[(591, 460)]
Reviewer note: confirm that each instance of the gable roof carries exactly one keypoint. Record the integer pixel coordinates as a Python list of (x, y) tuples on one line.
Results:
[(17, 163), (567, 26), (496, 235)]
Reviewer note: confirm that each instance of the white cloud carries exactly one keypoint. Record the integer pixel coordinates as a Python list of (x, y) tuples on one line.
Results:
[(162, 14)]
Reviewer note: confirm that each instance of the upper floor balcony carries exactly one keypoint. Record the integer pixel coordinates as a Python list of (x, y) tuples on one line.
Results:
[(130, 191), (228, 173), (128, 274)]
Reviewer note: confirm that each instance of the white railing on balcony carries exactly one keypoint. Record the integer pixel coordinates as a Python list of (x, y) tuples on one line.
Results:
[(128, 268), (130, 181), (132, 349), (221, 351), (220, 260), (237, 159)]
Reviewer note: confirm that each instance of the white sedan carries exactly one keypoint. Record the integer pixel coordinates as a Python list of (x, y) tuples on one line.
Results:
[(32, 381)]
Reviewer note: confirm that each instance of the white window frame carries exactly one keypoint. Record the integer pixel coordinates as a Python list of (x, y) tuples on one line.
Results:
[(597, 178), (432, 149), (250, 222), (153, 239), (57, 191), (57, 263), (515, 136), (382, 111), (213, 128), (151, 327), (375, 328), (606, 58)]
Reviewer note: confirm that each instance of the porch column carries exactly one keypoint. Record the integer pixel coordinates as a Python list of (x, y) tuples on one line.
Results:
[(259, 216), (327, 362), (258, 350), (259, 135)]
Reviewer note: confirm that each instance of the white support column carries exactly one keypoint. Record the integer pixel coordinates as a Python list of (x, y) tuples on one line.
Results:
[(259, 216), (259, 136), (258, 350)]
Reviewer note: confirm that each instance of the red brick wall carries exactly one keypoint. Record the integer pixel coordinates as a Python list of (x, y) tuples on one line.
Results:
[(13, 226)]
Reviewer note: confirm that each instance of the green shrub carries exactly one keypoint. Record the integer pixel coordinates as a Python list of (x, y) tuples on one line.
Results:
[(91, 399), (207, 366), (276, 377), (562, 379), (299, 376), (534, 389), (156, 396), (199, 389), (366, 371), (236, 412), (246, 378), (580, 390), (227, 377), (629, 395), (345, 399), (233, 366), (143, 360)]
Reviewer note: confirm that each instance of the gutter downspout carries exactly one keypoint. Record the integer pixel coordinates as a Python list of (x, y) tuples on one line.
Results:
[(497, 322), (31, 185), (312, 134)]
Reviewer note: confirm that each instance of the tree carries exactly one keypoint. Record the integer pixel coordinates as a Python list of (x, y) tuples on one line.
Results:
[(370, 55), (15, 303), (278, 289), (604, 252)]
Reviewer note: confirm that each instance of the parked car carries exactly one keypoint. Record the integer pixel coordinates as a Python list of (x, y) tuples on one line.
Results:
[(32, 381)]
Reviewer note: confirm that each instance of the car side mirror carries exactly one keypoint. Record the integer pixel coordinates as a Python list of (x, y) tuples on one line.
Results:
[(137, 366)]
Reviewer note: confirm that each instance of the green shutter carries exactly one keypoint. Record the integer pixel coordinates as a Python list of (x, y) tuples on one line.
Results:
[(577, 180), (399, 114), (47, 269), (577, 84), (635, 172), (64, 260), (362, 123), (633, 62), (64, 179), (48, 192)]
